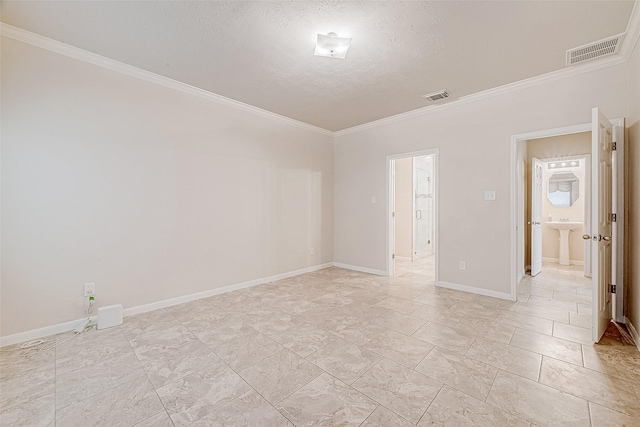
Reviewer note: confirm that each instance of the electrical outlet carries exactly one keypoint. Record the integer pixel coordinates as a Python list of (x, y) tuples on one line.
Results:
[(463, 265), (312, 252), (89, 289)]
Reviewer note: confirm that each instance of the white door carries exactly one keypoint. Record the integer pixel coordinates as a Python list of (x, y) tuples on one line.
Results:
[(536, 216), (601, 239)]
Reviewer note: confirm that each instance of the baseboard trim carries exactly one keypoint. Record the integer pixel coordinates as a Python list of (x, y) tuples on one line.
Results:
[(634, 332), (361, 269), (557, 260), (68, 326), (474, 290)]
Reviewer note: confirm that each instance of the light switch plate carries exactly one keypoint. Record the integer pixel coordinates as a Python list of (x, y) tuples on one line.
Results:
[(490, 194)]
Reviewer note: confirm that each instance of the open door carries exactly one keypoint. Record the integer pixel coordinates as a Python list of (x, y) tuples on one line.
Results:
[(602, 243), (536, 216)]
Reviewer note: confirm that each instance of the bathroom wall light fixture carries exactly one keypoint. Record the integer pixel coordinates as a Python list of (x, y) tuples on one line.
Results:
[(571, 164), (332, 46)]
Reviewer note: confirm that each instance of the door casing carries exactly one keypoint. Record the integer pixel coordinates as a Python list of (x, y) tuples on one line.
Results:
[(390, 204), (517, 139)]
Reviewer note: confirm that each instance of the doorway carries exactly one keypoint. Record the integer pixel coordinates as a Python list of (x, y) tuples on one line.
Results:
[(412, 225), (598, 238), (557, 203)]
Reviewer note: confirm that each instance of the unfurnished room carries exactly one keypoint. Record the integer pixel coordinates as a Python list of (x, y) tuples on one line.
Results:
[(319, 213)]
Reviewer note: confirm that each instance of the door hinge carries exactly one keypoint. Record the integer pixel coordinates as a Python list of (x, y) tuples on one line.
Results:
[(612, 288), (614, 217), (614, 146), (393, 256), (393, 214)]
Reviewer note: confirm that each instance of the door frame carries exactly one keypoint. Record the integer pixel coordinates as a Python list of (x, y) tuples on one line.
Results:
[(516, 192), (434, 152)]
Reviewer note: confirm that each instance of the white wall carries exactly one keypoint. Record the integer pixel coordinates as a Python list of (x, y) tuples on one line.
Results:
[(633, 206), (474, 141), (148, 192), (404, 208)]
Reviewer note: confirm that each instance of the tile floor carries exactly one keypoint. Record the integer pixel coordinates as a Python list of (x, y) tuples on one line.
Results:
[(337, 347)]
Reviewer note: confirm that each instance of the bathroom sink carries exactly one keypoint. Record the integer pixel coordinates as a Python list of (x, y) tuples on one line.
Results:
[(563, 228), (564, 225)]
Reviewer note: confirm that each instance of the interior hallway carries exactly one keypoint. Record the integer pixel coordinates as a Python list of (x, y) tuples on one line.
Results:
[(335, 347)]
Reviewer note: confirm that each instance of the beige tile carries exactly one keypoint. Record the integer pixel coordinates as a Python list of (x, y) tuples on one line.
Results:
[(344, 360), (196, 395), (537, 403), (161, 419), (453, 408), (443, 316), (573, 333), (543, 312), (502, 304), (610, 360), (472, 308), (403, 349), (400, 389), (551, 302), (247, 410), (382, 417), (585, 309), (403, 323), (166, 366), (126, 404), (605, 417), (89, 348), (327, 401), (572, 297), (302, 338), (460, 372), (21, 386), (557, 348), (611, 392), (486, 328), (71, 387), (279, 375), (246, 350), (445, 337), (39, 411), (352, 328), (436, 300), (225, 329), (580, 319), (399, 304), (506, 357), (524, 321)]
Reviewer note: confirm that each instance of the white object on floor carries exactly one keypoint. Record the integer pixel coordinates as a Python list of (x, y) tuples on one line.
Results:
[(109, 316)]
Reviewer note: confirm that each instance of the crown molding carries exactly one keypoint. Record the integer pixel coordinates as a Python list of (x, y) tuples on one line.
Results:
[(489, 93), (632, 34), (129, 70)]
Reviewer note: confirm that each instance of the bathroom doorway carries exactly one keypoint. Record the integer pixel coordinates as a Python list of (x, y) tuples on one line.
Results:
[(557, 203), (413, 214), (565, 288)]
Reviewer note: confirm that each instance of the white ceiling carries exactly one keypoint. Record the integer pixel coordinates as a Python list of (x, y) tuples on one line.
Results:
[(261, 53)]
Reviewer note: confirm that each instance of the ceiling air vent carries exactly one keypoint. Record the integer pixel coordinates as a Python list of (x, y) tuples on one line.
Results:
[(441, 94), (594, 50)]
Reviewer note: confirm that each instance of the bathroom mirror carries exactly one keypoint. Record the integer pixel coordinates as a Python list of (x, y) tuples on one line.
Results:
[(563, 189)]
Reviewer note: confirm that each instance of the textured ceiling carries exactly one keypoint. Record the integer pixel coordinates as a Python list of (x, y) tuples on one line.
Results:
[(261, 53)]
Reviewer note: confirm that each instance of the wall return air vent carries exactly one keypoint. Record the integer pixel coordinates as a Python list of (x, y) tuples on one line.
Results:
[(441, 94), (594, 50)]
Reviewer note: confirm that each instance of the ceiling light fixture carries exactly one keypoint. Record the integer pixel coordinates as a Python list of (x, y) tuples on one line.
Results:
[(332, 46)]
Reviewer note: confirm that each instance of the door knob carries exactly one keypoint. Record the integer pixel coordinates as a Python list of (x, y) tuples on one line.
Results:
[(586, 237), (605, 238)]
